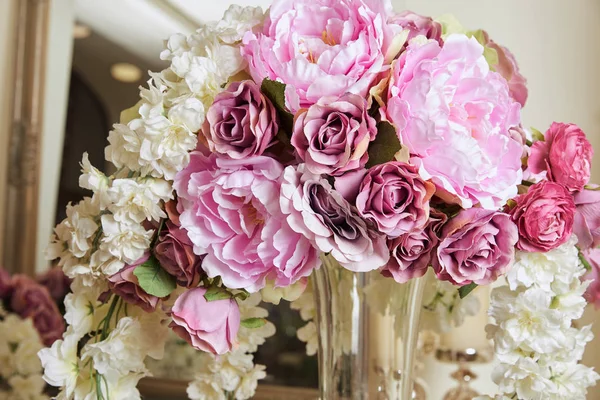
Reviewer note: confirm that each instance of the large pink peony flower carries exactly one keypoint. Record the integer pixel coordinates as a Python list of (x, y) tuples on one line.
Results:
[(321, 214), (230, 209), (320, 48), (454, 115)]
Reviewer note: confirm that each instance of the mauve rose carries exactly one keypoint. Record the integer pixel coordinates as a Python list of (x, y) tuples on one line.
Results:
[(586, 225), (592, 293), (395, 198), (332, 136), (418, 25), (411, 253), (241, 122), (6, 285), (544, 216), (209, 326), (32, 300), (56, 282), (565, 155), (477, 246), (125, 284)]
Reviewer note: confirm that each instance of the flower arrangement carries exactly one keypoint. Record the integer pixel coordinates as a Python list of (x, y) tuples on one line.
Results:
[(387, 141), (29, 320)]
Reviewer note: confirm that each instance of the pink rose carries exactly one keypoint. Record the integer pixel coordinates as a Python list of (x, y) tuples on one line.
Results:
[(210, 326), (586, 225), (395, 198), (454, 115), (565, 155), (175, 251), (411, 252), (544, 216), (241, 122), (508, 68), (231, 211), (418, 25), (477, 246), (331, 224), (333, 135), (32, 300), (592, 293), (6, 285), (125, 284), (324, 48), (57, 283)]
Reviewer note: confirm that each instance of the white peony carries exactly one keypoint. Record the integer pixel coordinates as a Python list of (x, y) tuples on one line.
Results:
[(126, 239), (139, 199)]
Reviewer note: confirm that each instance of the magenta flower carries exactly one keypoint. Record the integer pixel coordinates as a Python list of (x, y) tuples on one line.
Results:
[(586, 225), (418, 25), (231, 211), (125, 284), (477, 246), (207, 326), (333, 135), (592, 293), (454, 115)]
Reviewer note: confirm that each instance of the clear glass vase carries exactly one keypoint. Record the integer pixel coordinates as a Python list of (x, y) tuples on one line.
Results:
[(368, 327)]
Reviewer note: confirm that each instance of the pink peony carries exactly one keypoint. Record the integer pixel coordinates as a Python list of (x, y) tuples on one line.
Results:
[(565, 155), (32, 300), (411, 252), (209, 326), (454, 115), (230, 209), (477, 246), (592, 293), (418, 25), (586, 225), (544, 216), (241, 122), (320, 48), (125, 284), (57, 283), (333, 135), (395, 198), (323, 216)]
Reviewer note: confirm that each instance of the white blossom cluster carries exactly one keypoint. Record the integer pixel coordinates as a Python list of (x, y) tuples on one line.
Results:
[(20, 369), (536, 344), (308, 334)]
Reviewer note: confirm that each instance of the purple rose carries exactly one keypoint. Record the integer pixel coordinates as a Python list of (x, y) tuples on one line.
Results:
[(241, 122), (411, 252), (125, 284), (57, 283), (175, 251), (332, 225), (32, 300), (6, 286), (333, 135), (418, 25), (395, 198), (587, 218), (209, 326), (477, 246)]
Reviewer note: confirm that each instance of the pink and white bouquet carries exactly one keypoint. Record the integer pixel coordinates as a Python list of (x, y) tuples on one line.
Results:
[(330, 127)]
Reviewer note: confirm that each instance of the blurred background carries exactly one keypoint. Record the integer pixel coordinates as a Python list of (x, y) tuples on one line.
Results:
[(68, 67)]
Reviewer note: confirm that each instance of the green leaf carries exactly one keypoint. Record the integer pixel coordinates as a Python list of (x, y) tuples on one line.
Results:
[(215, 293), (464, 291), (385, 145), (490, 54), (253, 323), (154, 279), (585, 262), (537, 135), (275, 91)]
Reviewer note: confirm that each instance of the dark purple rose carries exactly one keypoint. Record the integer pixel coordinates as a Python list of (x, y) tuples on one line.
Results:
[(57, 283), (32, 300), (395, 198), (6, 286), (241, 122), (418, 25), (411, 252), (332, 136), (477, 246), (587, 218), (125, 284)]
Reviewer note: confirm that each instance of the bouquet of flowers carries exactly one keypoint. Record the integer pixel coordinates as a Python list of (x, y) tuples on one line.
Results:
[(29, 320), (386, 141)]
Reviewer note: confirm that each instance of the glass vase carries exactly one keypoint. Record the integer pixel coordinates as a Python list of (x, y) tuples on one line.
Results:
[(368, 327)]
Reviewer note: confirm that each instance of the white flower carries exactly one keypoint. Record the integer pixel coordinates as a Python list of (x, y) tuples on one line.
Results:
[(125, 239), (124, 146), (83, 310), (123, 387), (176, 45), (102, 264), (572, 380), (250, 338), (205, 387), (60, 362), (236, 22), (140, 199), (92, 179), (249, 383), (309, 335), (27, 387), (189, 113), (525, 377), (153, 98)]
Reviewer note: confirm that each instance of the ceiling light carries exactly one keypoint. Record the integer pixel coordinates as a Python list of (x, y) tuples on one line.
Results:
[(81, 31), (125, 72)]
